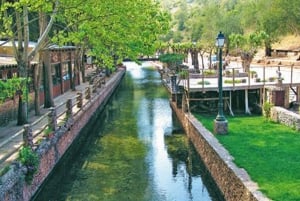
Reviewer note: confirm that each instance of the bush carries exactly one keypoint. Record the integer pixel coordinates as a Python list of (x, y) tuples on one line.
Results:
[(31, 160), (267, 109)]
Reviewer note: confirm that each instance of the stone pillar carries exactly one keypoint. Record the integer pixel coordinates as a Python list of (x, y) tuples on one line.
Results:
[(221, 127), (27, 136), (52, 123), (79, 99), (69, 108), (87, 93), (173, 86)]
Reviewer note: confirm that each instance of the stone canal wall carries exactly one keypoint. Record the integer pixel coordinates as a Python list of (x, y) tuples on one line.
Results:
[(233, 182), (13, 186), (286, 117)]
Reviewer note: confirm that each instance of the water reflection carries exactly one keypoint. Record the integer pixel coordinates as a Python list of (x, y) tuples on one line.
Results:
[(134, 150)]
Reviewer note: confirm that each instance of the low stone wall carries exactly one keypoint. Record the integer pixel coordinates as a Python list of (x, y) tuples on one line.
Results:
[(50, 151), (234, 183), (286, 117)]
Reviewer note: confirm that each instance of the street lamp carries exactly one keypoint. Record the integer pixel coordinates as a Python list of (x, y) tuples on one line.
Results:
[(220, 123)]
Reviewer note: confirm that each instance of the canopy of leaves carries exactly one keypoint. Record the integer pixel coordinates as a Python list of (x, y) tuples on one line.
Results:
[(171, 58), (8, 88), (110, 30), (201, 20)]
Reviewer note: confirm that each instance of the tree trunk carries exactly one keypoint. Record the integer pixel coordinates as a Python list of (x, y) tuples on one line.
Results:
[(246, 60), (48, 83), (22, 61), (268, 50), (195, 61), (71, 74), (82, 68), (37, 80), (38, 68), (22, 112)]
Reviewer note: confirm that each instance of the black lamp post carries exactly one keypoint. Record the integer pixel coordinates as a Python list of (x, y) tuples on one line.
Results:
[(220, 123)]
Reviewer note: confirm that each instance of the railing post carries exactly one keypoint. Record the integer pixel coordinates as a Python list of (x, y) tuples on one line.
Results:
[(69, 106), (79, 99), (88, 93), (52, 123), (94, 87), (27, 136)]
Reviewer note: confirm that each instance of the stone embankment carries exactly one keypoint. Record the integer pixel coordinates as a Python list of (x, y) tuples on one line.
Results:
[(234, 183), (12, 184), (286, 117)]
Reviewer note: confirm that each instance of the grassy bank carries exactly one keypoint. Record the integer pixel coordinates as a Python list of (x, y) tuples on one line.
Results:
[(269, 152)]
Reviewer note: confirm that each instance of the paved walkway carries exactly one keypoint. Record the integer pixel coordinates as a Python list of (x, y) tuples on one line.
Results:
[(10, 136)]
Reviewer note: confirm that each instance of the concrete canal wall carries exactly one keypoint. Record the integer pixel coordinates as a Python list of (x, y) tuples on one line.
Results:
[(13, 186), (233, 182)]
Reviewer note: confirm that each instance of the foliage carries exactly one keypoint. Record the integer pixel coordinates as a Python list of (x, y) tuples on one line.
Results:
[(209, 72), (9, 87), (113, 30), (47, 131), (171, 58), (183, 74), (205, 82), (200, 21), (4, 170), (266, 150), (236, 81), (267, 109), (248, 43), (30, 159)]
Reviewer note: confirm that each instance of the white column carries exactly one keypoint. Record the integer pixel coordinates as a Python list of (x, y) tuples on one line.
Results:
[(247, 111)]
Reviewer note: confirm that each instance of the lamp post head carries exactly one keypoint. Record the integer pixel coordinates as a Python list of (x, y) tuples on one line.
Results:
[(220, 40)]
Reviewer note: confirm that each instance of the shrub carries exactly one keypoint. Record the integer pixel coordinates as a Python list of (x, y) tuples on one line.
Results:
[(31, 160), (209, 72), (267, 109), (205, 82)]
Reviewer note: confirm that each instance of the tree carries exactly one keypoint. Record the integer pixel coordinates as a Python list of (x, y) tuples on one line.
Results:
[(110, 31), (114, 30), (14, 18), (247, 46)]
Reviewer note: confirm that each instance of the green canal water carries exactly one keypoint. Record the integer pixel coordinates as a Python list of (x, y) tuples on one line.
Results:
[(134, 150)]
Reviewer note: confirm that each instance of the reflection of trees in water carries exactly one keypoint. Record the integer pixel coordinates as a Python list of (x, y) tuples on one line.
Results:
[(182, 151)]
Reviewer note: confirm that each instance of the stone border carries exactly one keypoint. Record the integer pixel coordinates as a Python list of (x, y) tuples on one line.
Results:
[(286, 117), (233, 182)]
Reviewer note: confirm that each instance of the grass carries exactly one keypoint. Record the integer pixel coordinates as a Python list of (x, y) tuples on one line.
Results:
[(269, 152)]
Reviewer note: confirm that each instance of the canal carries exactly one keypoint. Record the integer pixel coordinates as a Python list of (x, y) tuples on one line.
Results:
[(134, 150)]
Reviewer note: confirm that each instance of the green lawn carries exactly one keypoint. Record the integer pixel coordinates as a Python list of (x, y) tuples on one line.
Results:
[(270, 153)]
